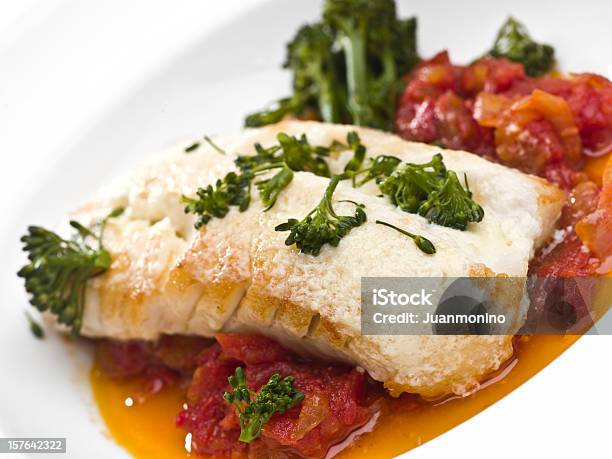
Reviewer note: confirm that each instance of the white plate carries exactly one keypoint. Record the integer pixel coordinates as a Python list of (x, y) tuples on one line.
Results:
[(89, 88)]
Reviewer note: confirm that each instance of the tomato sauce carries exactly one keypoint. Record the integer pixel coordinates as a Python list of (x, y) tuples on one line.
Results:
[(144, 422), (165, 399), (335, 402), (545, 126)]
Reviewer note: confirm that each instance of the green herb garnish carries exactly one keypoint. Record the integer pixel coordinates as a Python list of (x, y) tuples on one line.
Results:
[(322, 225), (451, 205), (256, 409), (215, 201), (193, 147), (514, 43), (57, 274), (347, 67), (433, 192), (378, 169), (359, 152), (234, 190), (424, 244), (270, 189), (35, 327), (299, 155), (216, 147)]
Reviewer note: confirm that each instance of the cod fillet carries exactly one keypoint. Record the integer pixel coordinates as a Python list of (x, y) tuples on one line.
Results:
[(237, 274)]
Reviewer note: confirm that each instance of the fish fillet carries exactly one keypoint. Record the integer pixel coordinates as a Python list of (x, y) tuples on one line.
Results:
[(236, 274)]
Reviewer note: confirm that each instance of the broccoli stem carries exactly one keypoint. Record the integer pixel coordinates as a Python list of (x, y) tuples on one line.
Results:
[(354, 47), (329, 193), (328, 92), (325, 204), (276, 112), (328, 103), (424, 244)]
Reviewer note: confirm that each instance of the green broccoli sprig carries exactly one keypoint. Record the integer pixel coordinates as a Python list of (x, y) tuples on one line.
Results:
[(514, 43), (234, 190), (322, 225), (278, 110), (378, 168), (410, 184), (317, 87), (377, 50), (451, 205), (299, 155), (262, 157), (256, 409), (35, 328), (58, 269), (347, 68), (359, 152), (215, 201), (434, 192), (270, 189), (424, 244)]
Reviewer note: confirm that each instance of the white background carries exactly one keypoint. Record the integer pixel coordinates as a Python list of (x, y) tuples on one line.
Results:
[(64, 64)]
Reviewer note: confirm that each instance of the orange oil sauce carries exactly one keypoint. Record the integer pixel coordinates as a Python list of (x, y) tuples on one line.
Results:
[(147, 429)]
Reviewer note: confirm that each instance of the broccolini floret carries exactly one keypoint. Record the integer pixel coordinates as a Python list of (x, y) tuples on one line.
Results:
[(270, 189), (377, 49), (514, 43), (256, 409), (411, 184), (316, 84), (347, 68), (378, 168), (424, 244), (359, 152), (451, 205), (434, 192), (215, 201), (322, 225), (234, 190), (58, 269)]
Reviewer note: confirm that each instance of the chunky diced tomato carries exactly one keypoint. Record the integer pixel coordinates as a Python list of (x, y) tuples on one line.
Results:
[(456, 127), (251, 349), (180, 352), (431, 78), (333, 407), (531, 148), (542, 125), (211, 375), (159, 364), (206, 416), (432, 108), (568, 257), (581, 202), (595, 229), (491, 76)]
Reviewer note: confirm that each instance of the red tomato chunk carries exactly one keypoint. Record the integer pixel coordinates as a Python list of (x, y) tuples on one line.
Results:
[(334, 405), (157, 364), (543, 126)]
